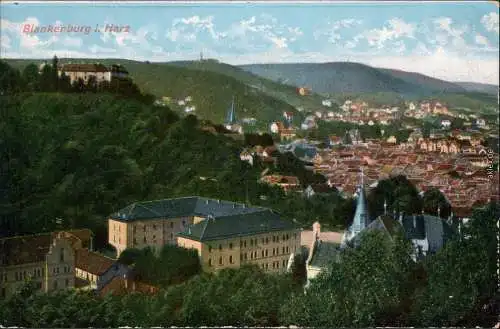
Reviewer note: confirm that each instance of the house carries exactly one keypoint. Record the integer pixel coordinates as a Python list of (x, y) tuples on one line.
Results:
[(260, 237), (126, 284), (392, 140), (47, 258), (318, 189), (246, 156), (335, 140), (288, 116), (85, 71), (321, 254), (445, 123), (156, 223), (326, 102), (287, 183), (481, 123), (97, 270)]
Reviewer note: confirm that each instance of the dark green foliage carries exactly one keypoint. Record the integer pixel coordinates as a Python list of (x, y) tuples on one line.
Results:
[(172, 265), (399, 194), (369, 281), (462, 276), (256, 139), (433, 200)]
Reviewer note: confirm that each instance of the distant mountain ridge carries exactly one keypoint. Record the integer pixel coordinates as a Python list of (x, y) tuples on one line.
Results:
[(349, 77), (479, 87)]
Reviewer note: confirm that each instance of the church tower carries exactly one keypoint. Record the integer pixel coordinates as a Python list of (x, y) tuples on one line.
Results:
[(361, 216)]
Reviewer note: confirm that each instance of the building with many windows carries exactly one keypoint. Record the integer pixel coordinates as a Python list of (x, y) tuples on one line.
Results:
[(226, 234), (47, 259)]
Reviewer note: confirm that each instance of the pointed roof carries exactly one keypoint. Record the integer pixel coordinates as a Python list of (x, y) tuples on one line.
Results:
[(361, 216), (231, 116)]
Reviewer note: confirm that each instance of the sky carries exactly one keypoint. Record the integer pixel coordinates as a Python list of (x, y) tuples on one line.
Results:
[(455, 41)]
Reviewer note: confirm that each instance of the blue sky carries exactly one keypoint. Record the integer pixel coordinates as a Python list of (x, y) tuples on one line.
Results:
[(456, 41)]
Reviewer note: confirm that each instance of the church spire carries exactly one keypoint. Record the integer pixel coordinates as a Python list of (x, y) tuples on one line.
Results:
[(361, 215), (231, 117)]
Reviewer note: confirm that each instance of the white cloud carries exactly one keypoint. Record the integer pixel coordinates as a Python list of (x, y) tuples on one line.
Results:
[(257, 32), (331, 32), (490, 22), (393, 30), (482, 40), (445, 34), (187, 29)]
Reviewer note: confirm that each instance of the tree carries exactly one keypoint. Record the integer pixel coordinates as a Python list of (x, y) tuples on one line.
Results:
[(367, 282), (435, 202), (31, 77), (55, 73)]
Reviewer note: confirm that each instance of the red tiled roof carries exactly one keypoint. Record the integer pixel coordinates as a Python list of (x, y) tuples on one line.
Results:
[(119, 286), (84, 68), (92, 262)]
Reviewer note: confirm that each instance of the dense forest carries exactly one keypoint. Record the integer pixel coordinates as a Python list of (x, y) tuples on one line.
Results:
[(376, 284)]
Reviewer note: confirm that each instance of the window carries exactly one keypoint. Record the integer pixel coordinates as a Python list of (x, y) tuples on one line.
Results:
[(134, 228), (284, 237), (220, 260), (262, 253), (287, 237), (274, 251), (61, 255), (171, 236), (154, 227), (278, 239), (144, 239), (245, 243), (246, 256), (251, 242), (230, 246), (231, 259), (266, 253), (144, 228), (241, 257), (295, 236), (17, 277), (209, 248), (274, 238), (267, 266), (220, 247), (66, 282), (251, 255), (183, 222), (277, 264), (135, 241), (283, 250), (274, 264), (284, 263), (241, 244), (2, 293), (287, 250), (55, 285), (210, 262)]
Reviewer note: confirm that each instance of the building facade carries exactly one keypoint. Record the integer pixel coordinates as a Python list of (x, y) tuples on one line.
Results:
[(48, 260), (225, 234), (85, 71)]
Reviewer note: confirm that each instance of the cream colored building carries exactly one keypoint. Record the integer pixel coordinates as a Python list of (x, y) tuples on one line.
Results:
[(225, 234), (46, 259), (85, 71)]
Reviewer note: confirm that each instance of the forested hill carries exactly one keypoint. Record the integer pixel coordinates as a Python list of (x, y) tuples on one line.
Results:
[(211, 90), (81, 156)]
